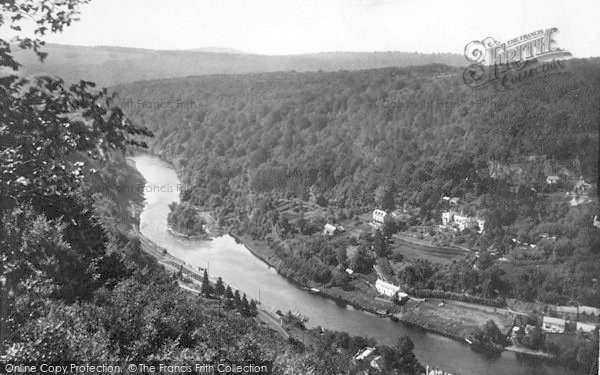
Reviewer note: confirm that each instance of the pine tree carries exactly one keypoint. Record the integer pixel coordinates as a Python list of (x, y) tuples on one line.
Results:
[(228, 292), (219, 287), (237, 299), (206, 287), (229, 305), (245, 307), (253, 310)]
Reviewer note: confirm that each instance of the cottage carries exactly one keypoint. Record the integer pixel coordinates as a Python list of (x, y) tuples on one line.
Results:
[(350, 271), (589, 310), (364, 353), (379, 217), (553, 325), (447, 218), (480, 224), (552, 180), (330, 230), (586, 327), (464, 222), (385, 288)]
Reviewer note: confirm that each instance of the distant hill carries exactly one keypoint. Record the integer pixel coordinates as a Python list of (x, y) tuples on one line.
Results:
[(219, 50), (112, 65)]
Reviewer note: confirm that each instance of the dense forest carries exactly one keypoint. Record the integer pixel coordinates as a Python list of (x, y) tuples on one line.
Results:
[(75, 284), (394, 138)]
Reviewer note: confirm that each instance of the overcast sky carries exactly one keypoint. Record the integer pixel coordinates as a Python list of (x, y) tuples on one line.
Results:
[(278, 27)]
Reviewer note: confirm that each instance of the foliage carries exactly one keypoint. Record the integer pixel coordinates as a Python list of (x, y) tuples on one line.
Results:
[(184, 219), (330, 133)]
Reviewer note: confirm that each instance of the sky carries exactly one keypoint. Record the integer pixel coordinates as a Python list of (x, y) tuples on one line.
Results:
[(279, 27)]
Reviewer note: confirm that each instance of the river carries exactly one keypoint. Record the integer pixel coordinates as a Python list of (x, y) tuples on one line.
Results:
[(238, 267)]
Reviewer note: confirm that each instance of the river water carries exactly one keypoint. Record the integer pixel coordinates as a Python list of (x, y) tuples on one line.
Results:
[(238, 267)]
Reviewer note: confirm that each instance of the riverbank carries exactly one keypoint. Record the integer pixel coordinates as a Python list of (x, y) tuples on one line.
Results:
[(201, 237), (450, 319)]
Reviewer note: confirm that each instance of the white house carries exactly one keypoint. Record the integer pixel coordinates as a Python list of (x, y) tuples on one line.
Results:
[(330, 230), (552, 180), (387, 289), (586, 327), (480, 224), (364, 353), (553, 325), (379, 217), (447, 218), (464, 222)]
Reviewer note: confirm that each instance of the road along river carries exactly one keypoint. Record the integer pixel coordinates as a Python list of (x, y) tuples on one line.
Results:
[(238, 267)]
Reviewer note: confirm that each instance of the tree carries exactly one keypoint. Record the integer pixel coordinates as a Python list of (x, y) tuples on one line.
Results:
[(237, 298), (206, 289), (51, 136), (341, 255), (253, 310), (389, 226), (228, 292), (229, 304), (244, 306), (384, 197), (219, 287), (533, 340), (405, 345), (362, 262), (380, 245), (492, 333)]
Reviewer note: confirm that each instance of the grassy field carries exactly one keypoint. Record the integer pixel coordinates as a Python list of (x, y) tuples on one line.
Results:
[(453, 318), (411, 250)]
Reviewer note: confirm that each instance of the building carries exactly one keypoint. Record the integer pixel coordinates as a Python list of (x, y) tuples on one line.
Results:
[(480, 225), (464, 222), (589, 310), (447, 218), (330, 230), (586, 327), (596, 222), (379, 217), (553, 325), (387, 289), (552, 180), (364, 353)]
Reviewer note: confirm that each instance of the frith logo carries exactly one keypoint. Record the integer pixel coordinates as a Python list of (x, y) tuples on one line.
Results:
[(514, 63)]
